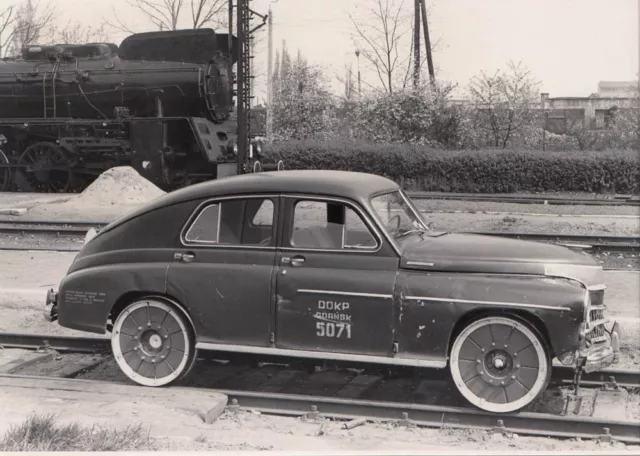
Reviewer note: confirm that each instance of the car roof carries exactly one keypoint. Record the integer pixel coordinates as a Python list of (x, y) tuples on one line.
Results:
[(345, 184), (342, 184)]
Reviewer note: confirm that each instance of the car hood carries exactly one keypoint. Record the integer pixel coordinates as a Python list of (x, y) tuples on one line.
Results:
[(474, 253)]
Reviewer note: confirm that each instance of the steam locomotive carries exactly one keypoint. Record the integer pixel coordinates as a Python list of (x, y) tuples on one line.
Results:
[(161, 102)]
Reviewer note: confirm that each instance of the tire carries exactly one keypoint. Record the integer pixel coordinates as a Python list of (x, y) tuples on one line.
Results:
[(500, 364), (153, 343)]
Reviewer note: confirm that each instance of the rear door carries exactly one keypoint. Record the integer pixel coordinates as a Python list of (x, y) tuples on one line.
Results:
[(224, 270), (335, 280)]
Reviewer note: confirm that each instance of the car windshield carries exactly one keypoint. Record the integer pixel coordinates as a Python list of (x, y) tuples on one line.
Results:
[(397, 215)]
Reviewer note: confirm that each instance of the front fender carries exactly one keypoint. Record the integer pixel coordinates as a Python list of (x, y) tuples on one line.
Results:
[(86, 296), (433, 307)]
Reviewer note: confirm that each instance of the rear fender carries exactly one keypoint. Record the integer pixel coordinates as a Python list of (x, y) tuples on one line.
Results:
[(86, 297)]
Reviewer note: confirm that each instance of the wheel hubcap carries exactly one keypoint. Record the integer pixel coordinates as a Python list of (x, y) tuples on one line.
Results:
[(499, 362), (155, 341)]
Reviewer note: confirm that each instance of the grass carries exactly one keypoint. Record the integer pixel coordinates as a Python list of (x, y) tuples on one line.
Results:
[(44, 433)]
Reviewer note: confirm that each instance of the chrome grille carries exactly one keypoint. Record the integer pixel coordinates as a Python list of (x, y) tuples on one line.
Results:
[(596, 314), (596, 333)]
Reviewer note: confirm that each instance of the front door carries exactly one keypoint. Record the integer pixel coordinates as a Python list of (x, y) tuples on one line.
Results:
[(224, 270), (335, 280)]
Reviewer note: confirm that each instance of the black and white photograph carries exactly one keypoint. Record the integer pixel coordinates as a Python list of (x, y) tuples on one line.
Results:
[(320, 226)]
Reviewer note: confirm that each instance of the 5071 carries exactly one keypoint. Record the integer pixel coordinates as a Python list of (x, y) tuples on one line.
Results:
[(331, 329)]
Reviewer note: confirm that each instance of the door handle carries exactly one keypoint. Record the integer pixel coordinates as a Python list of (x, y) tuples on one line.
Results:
[(293, 261), (297, 261), (185, 257)]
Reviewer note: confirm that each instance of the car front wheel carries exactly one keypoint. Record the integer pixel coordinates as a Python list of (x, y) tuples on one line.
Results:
[(153, 343), (499, 364)]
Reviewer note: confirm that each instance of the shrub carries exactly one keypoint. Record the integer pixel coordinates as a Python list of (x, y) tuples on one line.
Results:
[(470, 171), (43, 433)]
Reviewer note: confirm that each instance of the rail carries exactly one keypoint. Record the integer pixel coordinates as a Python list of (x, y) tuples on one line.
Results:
[(525, 423), (320, 407), (617, 200)]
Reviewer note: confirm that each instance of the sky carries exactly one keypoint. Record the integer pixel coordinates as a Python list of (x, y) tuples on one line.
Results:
[(569, 45)]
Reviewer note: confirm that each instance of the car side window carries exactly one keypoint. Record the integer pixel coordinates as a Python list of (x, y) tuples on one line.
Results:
[(264, 215), (329, 226), (247, 221)]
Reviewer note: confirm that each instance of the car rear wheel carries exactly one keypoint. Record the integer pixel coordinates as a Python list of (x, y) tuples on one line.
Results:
[(500, 364), (153, 343)]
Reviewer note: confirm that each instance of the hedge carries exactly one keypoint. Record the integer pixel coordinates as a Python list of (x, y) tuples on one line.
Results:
[(472, 171)]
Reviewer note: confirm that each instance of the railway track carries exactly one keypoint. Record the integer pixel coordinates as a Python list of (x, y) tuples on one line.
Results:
[(291, 391), (597, 243), (617, 200), (68, 344), (613, 200)]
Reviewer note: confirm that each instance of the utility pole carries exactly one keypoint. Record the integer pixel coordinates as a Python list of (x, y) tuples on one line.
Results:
[(358, 57), (243, 18), (270, 81), (427, 41), (242, 10), (416, 44)]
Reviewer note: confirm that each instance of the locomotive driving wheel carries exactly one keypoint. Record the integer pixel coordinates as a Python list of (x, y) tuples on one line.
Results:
[(5, 173), (500, 364), (49, 168)]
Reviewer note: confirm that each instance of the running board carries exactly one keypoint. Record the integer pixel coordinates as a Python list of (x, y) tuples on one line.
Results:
[(397, 361)]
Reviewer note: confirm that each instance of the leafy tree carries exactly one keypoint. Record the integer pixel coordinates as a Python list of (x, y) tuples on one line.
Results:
[(302, 104), (410, 116), (503, 105), (624, 126)]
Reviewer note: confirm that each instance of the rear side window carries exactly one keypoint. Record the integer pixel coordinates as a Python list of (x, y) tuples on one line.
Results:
[(247, 221)]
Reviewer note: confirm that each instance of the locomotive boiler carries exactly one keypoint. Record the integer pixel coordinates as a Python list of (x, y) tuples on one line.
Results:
[(160, 102)]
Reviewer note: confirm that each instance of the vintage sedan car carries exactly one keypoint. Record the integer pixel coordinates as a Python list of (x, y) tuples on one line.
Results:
[(333, 265)]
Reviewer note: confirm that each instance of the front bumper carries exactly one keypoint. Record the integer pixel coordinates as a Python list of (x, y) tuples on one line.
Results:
[(51, 306), (602, 355)]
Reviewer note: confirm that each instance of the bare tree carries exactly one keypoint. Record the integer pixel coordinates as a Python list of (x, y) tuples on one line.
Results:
[(384, 45), (167, 14), (7, 19), (76, 33), (380, 43), (205, 12), (504, 104), (30, 24)]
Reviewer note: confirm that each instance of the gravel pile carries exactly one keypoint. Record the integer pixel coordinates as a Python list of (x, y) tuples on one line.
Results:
[(118, 186)]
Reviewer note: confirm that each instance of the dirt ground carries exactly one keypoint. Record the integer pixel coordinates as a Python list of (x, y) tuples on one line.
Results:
[(173, 424), (25, 277)]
